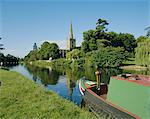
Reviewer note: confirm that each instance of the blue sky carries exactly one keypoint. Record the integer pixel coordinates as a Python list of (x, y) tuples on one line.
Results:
[(24, 22)]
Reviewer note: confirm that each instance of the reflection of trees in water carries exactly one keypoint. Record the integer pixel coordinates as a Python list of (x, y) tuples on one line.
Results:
[(34, 78), (90, 73), (70, 85), (46, 76), (106, 73), (72, 76)]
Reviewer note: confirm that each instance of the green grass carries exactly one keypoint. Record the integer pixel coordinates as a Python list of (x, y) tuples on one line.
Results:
[(22, 98), (130, 61)]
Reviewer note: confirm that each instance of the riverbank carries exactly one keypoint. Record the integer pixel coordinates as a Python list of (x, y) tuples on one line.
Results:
[(22, 98), (128, 65), (131, 65)]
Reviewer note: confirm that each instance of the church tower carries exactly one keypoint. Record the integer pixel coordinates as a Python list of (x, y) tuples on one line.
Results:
[(71, 42), (34, 47)]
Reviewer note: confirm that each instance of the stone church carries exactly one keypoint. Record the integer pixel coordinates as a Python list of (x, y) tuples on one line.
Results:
[(71, 43)]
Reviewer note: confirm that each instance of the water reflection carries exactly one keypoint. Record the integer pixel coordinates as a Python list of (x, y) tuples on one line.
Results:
[(106, 73), (64, 81), (45, 75)]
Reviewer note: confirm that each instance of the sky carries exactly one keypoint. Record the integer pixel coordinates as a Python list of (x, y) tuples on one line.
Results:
[(25, 22)]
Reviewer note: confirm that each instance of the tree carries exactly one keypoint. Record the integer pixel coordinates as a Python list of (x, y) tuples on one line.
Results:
[(1, 46), (100, 32), (128, 40), (54, 51), (89, 42), (142, 55), (101, 25), (49, 50), (141, 39), (90, 37), (109, 56), (103, 43), (75, 54), (44, 51), (148, 31), (2, 57), (125, 40)]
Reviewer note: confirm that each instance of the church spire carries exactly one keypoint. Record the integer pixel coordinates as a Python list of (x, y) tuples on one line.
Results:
[(71, 31), (71, 42)]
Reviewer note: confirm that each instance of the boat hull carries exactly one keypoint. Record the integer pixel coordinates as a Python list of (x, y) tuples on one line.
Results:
[(101, 106)]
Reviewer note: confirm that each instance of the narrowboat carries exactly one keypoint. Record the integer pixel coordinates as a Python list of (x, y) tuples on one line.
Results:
[(97, 99)]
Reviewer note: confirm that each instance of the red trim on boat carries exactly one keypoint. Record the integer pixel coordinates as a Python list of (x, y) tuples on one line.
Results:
[(108, 102), (87, 86), (145, 80)]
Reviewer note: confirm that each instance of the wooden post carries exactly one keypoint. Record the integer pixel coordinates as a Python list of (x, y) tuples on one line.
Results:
[(98, 78)]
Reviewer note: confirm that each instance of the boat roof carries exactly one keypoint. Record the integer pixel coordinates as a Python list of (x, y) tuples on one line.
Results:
[(134, 78)]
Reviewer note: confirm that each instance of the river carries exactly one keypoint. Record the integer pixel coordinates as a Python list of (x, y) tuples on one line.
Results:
[(65, 83)]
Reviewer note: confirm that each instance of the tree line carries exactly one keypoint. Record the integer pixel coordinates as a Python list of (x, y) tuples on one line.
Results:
[(45, 52), (99, 47), (8, 59)]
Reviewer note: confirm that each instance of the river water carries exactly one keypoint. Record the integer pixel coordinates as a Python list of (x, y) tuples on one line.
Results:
[(52, 80), (65, 83)]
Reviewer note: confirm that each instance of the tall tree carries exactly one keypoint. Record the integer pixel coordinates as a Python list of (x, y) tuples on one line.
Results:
[(100, 32), (54, 51), (142, 54), (49, 50), (101, 25), (89, 42), (148, 31), (91, 37), (1, 46), (141, 39)]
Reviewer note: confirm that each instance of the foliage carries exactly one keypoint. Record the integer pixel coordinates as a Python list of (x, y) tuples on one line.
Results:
[(75, 54), (109, 56), (103, 43), (141, 39), (32, 56), (22, 98), (8, 58), (129, 42), (47, 76), (46, 51), (89, 42), (148, 31), (11, 58), (97, 38), (1, 46), (2, 57), (49, 50), (101, 25), (142, 55)]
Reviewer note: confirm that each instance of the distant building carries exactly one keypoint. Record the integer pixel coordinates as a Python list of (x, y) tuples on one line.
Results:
[(71, 44), (34, 47), (63, 53)]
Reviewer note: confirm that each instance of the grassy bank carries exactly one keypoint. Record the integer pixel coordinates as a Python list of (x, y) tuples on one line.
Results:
[(22, 98), (131, 65)]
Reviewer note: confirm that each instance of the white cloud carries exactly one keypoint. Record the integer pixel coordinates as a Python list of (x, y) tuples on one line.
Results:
[(61, 43), (9, 51)]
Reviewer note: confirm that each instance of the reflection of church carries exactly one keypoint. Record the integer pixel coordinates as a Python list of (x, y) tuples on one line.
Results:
[(71, 43)]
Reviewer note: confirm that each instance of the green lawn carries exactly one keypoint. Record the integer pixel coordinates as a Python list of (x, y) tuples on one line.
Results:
[(130, 61), (22, 98)]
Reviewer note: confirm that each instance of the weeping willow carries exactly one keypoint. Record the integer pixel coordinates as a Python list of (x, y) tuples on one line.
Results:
[(142, 55)]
